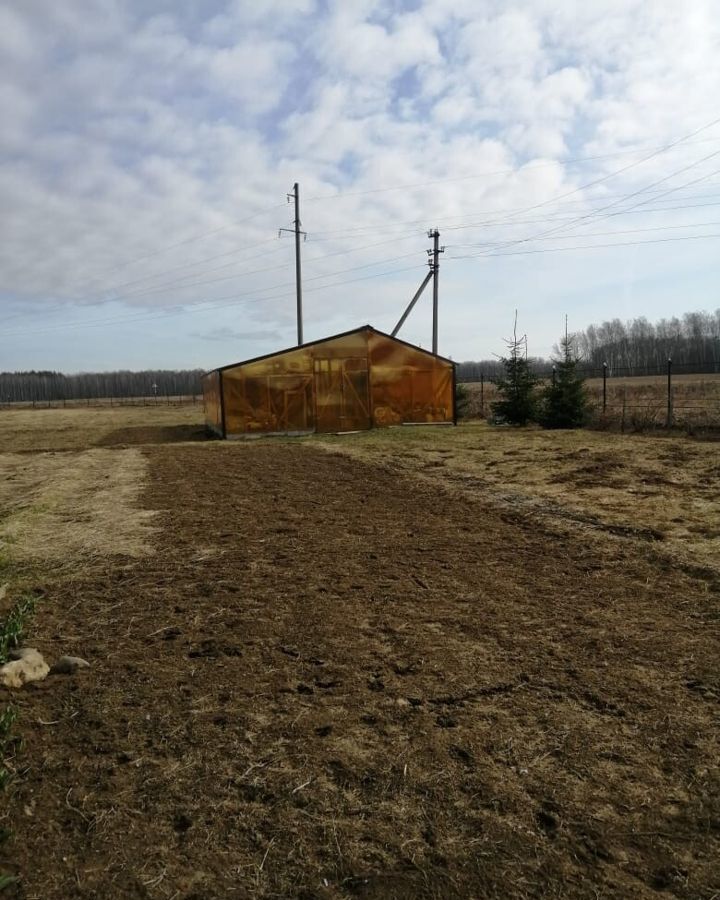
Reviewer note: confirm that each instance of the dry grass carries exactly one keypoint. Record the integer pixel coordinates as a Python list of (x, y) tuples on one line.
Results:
[(73, 506), (28, 430), (664, 488)]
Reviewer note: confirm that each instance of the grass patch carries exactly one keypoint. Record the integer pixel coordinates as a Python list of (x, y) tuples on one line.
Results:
[(11, 630), (634, 483), (67, 506), (7, 718)]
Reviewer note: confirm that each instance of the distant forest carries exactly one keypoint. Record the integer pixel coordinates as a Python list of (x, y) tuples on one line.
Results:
[(16, 387), (634, 347), (629, 348)]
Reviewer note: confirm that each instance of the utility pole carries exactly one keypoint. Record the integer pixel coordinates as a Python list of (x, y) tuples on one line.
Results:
[(434, 264), (298, 273), (412, 303), (298, 270), (435, 268)]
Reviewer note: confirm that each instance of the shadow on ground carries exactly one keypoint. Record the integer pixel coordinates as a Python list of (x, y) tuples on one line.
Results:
[(154, 434)]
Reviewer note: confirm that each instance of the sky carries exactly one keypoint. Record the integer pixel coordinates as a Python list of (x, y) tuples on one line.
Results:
[(568, 153)]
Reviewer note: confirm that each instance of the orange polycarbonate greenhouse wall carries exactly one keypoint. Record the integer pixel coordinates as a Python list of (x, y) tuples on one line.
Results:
[(355, 381), (408, 384), (213, 405)]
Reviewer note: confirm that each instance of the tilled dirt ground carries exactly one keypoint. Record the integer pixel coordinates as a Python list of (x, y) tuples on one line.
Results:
[(331, 680)]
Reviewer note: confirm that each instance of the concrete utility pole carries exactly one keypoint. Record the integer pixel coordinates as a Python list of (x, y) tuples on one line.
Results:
[(298, 273), (434, 264), (412, 303), (298, 269), (435, 268)]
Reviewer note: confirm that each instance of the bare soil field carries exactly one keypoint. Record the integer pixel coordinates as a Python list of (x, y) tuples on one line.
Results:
[(343, 669)]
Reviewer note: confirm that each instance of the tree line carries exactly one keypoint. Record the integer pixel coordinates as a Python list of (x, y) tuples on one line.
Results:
[(629, 348), (24, 387), (692, 342), (634, 347)]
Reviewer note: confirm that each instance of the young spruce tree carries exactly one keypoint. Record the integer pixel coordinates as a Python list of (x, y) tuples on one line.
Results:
[(516, 386), (564, 402), (462, 401)]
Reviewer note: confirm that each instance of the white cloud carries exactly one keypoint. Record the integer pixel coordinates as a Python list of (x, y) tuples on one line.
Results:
[(254, 72), (129, 129), (240, 15), (16, 39), (370, 52)]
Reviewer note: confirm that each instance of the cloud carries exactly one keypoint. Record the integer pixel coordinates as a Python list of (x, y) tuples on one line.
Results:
[(228, 335), (354, 47), (147, 148)]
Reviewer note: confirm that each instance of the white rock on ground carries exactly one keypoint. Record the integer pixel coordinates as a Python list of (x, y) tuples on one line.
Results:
[(68, 665), (3, 590), (28, 666)]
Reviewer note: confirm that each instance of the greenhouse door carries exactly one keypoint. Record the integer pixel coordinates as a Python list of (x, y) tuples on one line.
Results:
[(342, 395)]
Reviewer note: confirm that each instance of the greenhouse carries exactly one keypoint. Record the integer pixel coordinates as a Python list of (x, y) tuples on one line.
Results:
[(352, 381)]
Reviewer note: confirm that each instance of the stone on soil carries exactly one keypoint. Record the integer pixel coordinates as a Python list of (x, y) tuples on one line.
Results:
[(28, 666), (69, 665)]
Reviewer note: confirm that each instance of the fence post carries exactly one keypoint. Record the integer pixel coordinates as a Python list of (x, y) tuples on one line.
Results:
[(605, 368), (669, 419), (482, 393)]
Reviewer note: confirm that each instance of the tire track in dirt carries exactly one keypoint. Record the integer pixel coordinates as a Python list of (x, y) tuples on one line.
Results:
[(330, 680)]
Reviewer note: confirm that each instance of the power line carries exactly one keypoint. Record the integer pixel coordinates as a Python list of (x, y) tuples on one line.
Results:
[(592, 214), (577, 220), (494, 223), (180, 282), (340, 234), (397, 223), (662, 148), (199, 262), (183, 284), (154, 289), (120, 319), (687, 237), (565, 217), (555, 200), (311, 278), (568, 237), (184, 242), (195, 238), (233, 298)]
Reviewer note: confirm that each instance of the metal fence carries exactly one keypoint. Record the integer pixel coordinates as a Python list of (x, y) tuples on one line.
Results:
[(637, 396)]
